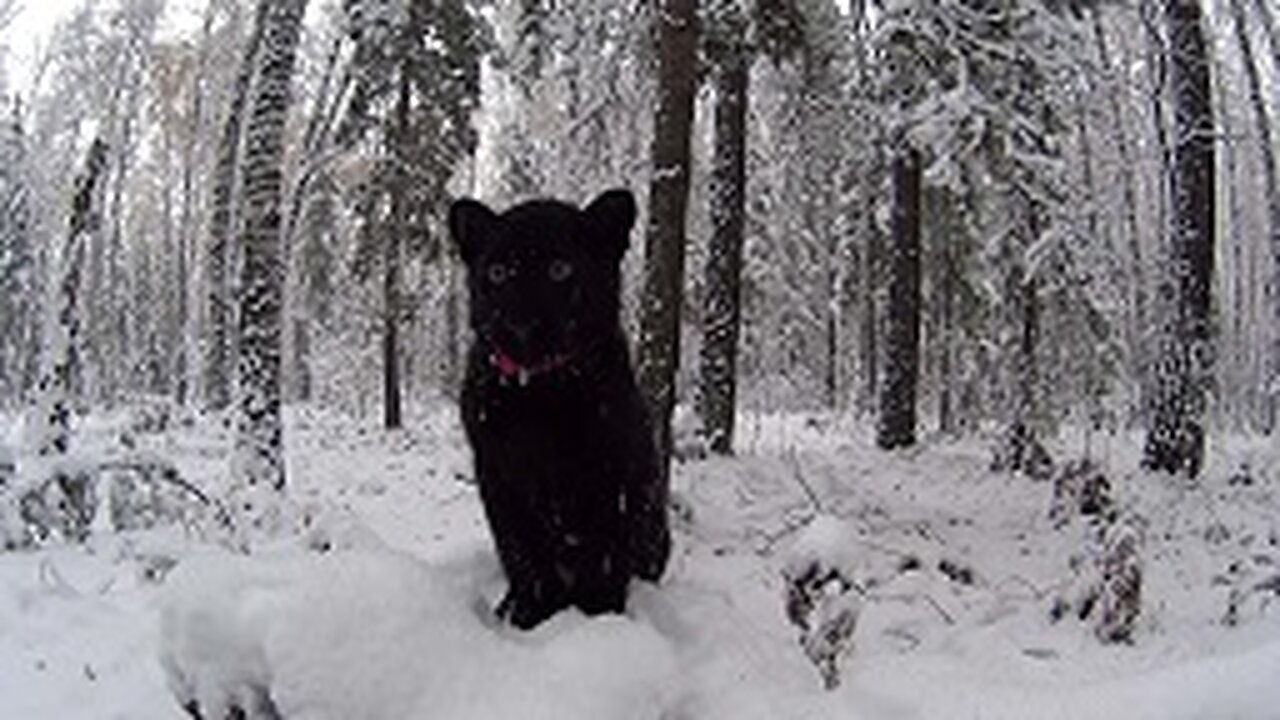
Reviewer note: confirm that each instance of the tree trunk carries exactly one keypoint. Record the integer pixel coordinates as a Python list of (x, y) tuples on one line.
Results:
[(1266, 15), (1028, 340), (659, 351), (1159, 55), (869, 257), (897, 425), (59, 382), (315, 140), (721, 321), (18, 304), (946, 339), (869, 330), (1236, 386), (223, 224), (1271, 186), (165, 333), (187, 222), (114, 347), (260, 434), (450, 357), (1136, 328), (399, 134), (1175, 438)]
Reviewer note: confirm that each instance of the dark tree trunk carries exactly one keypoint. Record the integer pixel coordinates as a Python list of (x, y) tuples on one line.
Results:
[(57, 387), (260, 433), (391, 415), (946, 339), (1028, 341), (659, 351), (831, 376), (223, 225), (721, 320), (897, 424), (869, 330), (1175, 438)]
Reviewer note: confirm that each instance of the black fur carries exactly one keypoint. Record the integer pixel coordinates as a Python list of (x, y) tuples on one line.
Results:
[(561, 438)]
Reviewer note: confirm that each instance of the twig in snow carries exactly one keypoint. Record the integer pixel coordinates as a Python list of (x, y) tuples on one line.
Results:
[(52, 578), (791, 527), (1055, 588), (910, 599), (798, 473), (941, 611)]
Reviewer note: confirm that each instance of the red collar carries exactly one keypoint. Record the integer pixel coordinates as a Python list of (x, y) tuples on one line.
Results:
[(509, 370)]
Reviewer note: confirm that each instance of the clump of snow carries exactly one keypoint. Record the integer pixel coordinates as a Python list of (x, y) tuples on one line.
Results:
[(359, 634), (823, 598), (213, 625)]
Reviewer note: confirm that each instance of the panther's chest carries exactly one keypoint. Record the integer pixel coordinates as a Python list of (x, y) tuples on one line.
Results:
[(543, 421), (572, 428)]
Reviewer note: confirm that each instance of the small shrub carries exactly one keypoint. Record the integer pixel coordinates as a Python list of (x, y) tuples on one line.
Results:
[(61, 506), (823, 603), (1108, 589), (1120, 589), (1080, 488), (1019, 451)]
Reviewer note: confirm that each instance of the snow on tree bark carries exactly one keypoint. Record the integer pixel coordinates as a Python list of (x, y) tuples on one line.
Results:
[(871, 264), (311, 191), (197, 127), (868, 264), (1137, 276), (18, 305), (721, 319), (115, 341), (59, 383), (897, 422), (1267, 14), (1271, 188), (1175, 437), (259, 459), (662, 298), (223, 225)]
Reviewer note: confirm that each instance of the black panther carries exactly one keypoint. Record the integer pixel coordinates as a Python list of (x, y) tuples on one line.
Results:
[(561, 438)]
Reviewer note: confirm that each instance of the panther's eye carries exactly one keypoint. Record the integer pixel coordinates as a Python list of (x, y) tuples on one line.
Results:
[(560, 270), (498, 273)]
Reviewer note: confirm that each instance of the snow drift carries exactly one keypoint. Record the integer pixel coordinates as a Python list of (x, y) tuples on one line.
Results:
[(369, 635)]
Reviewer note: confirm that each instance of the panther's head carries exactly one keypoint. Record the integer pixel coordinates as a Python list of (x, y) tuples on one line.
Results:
[(543, 276)]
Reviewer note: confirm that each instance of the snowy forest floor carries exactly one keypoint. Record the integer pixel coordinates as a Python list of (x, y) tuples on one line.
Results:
[(961, 568)]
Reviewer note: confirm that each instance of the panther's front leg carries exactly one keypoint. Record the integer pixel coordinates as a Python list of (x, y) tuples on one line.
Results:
[(532, 594)]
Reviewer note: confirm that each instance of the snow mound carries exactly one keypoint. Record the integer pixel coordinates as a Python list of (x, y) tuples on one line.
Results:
[(377, 634)]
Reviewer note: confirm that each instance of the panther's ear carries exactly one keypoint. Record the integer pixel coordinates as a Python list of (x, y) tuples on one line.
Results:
[(611, 216), (470, 223)]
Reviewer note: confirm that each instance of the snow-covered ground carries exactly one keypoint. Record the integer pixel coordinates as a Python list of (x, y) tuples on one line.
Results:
[(378, 609)]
